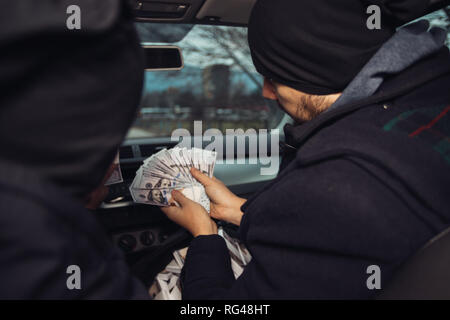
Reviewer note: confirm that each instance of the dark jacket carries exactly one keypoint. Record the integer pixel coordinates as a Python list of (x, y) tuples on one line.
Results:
[(367, 184), (43, 232), (67, 99)]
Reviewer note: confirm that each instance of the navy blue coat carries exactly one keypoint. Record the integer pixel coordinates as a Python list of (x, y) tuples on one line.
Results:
[(365, 184), (66, 102), (43, 231)]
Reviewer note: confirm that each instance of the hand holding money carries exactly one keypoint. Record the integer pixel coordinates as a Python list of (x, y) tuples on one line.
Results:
[(190, 215), (96, 197), (191, 172), (169, 170), (225, 205)]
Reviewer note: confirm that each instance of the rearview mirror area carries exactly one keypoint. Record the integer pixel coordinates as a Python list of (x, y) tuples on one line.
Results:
[(162, 58)]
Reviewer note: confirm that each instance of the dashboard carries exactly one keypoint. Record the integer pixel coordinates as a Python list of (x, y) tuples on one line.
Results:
[(142, 232)]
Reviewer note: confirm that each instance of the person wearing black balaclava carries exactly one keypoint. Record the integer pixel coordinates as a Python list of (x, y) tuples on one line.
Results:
[(365, 171), (67, 100)]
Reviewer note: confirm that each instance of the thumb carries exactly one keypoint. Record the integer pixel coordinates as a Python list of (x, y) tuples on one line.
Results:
[(201, 177), (180, 198)]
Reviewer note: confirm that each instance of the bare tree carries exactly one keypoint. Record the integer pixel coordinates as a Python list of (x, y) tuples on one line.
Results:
[(223, 44), (204, 45)]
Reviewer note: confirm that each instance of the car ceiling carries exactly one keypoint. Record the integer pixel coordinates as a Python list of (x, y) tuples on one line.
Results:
[(226, 12), (223, 12)]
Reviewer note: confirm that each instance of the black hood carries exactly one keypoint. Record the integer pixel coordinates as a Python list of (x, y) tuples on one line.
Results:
[(67, 97), (318, 46)]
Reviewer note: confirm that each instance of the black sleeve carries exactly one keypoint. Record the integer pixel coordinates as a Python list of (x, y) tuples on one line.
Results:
[(207, 271), (312, 234), (39, 243)]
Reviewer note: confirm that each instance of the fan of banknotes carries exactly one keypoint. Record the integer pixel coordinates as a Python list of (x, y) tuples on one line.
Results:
[(169, 170)]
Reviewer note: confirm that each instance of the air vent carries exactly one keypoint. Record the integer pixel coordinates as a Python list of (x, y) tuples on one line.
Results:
[(147, 149), (126, 152)]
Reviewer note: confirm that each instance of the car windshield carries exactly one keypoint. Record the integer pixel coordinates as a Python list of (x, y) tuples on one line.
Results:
[(218, 84), (441, 19)]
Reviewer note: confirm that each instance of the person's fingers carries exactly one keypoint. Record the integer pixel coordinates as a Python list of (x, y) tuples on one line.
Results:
[(171, 211), (180, 198), (214, 212), (201, 177), (216, 180)]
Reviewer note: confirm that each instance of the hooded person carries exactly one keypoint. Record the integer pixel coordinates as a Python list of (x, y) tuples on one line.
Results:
[(365, 171), (318, 48), (67, 100)]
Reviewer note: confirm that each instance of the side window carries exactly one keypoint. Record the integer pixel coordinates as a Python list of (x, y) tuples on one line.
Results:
[(217, 85), (440, 18)]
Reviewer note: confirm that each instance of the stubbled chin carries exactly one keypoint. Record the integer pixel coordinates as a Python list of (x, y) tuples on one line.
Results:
[(299, 117)]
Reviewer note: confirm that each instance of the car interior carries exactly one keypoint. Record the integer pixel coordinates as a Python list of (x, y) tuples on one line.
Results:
[(214, 81)]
